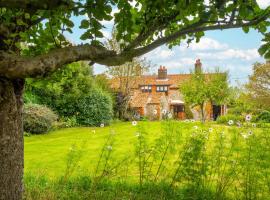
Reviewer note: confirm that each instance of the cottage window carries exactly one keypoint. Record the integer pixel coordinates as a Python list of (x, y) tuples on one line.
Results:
[(146, 88), (162, 88)]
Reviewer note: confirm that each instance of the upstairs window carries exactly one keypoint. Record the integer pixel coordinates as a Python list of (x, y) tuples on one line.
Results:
[(162, 88), (146, 88)]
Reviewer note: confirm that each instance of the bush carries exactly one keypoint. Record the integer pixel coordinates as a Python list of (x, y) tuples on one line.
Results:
[(67, 122), (38, 119), (224, 119), (263, 117), (94, 109)]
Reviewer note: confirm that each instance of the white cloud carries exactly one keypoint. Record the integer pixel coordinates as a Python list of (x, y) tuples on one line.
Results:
[(207, 44), (160, 53), (248, 54), (166, 53), (181, 64), (263, 3)]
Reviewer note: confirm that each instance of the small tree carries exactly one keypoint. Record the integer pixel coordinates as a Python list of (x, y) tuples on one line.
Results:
[(202, 88), (258, 86), (126, 76)]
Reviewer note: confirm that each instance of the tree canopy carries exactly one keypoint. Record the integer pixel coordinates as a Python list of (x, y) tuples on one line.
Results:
[(258, 86), (141, 26), (205, 88)]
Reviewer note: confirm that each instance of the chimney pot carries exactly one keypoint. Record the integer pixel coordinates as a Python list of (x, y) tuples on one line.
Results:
[(198, 66), (162, 72)]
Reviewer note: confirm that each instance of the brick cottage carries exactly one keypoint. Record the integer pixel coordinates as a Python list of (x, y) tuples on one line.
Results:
[(154, 95)]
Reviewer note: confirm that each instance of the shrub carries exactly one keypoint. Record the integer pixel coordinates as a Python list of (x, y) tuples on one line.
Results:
[(67, 122), (263, 117), (188, 112), (38, 118), (225, 118), (94, 109)]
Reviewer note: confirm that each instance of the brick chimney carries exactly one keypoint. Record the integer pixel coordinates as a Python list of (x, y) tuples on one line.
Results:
[(198, 66), (162, 72)]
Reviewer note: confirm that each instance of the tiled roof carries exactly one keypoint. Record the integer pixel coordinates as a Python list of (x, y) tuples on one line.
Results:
[(173, 80)]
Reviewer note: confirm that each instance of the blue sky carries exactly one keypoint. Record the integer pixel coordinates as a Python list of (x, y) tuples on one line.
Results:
[(230, 50)]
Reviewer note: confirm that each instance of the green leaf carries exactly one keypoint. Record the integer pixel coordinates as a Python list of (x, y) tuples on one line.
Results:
[(84, 24), (86, 35), (27, 16), (245, 29), (20, 22), (68, 22)]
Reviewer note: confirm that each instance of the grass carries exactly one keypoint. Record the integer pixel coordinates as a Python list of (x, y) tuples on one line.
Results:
[(153, 160), (47, 153)]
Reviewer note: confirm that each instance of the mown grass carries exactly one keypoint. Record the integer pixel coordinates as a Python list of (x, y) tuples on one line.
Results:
[(46, 154), (153, 160)]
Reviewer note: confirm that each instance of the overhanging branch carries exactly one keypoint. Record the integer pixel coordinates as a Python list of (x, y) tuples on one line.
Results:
[(13, 66), (35, 4)]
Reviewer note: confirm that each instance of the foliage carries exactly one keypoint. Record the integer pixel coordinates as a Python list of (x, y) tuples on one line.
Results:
[(48, 23), (70, 92), (38, 119), (202, 88), (62, 89), (264, 50), (94, 109), (224, 119), (188, 112), (258, 86), (264, 116)]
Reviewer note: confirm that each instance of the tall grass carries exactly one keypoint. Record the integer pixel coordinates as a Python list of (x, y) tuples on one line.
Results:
[(187, 161)]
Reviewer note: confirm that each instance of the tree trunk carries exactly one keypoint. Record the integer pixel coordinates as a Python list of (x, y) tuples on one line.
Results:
[(202, 112), (11, 139)]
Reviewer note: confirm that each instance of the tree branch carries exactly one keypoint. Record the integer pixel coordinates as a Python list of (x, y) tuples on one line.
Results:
[(34, 4), (14, 66), (194, 29)]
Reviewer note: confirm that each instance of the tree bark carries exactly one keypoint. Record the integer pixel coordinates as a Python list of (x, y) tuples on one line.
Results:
[(11, 139), (202, 112)]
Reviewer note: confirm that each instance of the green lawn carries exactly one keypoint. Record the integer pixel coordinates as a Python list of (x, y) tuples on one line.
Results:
[(193, 161), (47, 153)]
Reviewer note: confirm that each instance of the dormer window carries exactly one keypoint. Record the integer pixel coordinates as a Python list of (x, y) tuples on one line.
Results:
[(146, 88), (162, 88)]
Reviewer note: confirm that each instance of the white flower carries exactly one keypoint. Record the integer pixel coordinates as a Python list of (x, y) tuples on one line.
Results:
[(137, 134), (164, 112), (249, 132), (192, 120), (101, 125), (238, 124), (254, 125), (109, 148), (155, 112), (134, 123), (186, 120), (211, 130), (245, 136), (195, 127), (170, 115), (230, 122), (248, 117)]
